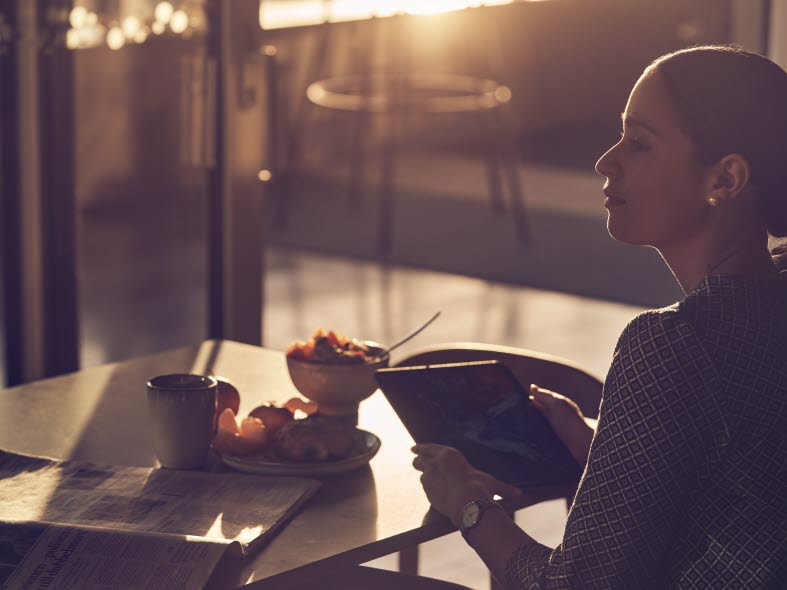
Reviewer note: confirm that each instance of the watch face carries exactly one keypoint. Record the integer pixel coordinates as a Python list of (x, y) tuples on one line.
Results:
[(470, 514)]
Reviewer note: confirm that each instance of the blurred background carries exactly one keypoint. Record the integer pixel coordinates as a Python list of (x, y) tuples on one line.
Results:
[(189, 169), (178, 170)]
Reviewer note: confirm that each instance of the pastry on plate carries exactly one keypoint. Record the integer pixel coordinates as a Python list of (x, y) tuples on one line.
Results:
[(317, 438)]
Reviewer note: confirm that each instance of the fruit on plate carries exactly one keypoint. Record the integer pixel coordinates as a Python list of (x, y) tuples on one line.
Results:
[(296, 404), (273, 417), (316, 438), (227, 396), (248, 438), (330, 348)]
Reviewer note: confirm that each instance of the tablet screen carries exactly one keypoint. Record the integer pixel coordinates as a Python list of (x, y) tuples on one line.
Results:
[(481, 409)]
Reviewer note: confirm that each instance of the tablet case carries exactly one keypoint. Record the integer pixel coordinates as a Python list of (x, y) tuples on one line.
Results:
[(481, 409)]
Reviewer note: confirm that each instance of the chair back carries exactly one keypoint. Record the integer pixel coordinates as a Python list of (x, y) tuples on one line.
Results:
[(547, 371)]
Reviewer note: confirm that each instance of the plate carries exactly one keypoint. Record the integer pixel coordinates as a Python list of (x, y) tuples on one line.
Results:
[(366, 447)]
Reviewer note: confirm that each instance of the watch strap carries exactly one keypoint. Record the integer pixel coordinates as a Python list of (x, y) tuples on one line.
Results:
[(483, 505)]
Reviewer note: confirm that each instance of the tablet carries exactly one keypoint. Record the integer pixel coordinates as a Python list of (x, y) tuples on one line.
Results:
[(481, 409)]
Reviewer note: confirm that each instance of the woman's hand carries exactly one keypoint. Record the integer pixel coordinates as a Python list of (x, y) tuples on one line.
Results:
[(450, 481), (567, 421)]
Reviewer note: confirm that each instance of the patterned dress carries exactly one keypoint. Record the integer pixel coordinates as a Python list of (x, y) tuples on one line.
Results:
[(686, 481)]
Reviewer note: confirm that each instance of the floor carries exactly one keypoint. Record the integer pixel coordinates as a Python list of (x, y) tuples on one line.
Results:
[(442, 219), (142, 280), (381, 303)]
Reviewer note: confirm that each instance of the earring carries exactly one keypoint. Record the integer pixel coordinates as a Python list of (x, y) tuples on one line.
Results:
[(713, 200)]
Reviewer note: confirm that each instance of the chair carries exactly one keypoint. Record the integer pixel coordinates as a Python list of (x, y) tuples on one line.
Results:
[(399, 95), (551, 372)]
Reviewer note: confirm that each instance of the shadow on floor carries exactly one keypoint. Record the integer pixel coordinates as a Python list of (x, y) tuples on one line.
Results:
[(568, 252)]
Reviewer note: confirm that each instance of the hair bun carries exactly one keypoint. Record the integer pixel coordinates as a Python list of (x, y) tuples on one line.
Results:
[(733, 101)]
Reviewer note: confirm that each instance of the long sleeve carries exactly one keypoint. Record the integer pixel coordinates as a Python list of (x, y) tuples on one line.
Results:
[(661, 431)]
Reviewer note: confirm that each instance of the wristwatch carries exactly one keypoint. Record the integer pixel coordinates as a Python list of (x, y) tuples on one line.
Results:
[(472, 512)]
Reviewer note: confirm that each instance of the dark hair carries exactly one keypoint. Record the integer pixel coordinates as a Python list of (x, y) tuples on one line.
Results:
[(732, 101)]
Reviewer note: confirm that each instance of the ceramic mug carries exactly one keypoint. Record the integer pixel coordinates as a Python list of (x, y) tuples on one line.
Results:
[(181, 408)]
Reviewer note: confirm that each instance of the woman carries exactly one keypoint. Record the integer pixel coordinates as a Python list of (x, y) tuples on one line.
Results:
[(685, 484)]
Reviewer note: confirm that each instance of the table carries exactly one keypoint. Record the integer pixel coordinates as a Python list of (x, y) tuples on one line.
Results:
[(99, 415)]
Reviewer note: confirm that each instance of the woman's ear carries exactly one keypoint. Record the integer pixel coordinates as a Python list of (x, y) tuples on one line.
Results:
[(729, 177)]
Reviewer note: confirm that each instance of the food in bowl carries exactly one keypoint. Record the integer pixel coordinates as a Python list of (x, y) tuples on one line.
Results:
[(331, 348), (334, 371)]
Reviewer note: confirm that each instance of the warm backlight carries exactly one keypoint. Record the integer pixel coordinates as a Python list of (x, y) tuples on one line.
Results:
[(290, 13)]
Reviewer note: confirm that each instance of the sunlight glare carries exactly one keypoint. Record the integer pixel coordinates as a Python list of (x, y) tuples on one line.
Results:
[(163, 12), (248, 534), (89, 389), (91, 36), (179, 22), (503, 94), (215, 529), (72, 38), (274, 15), (433, 7), (115, 38), (131, 26), (78, 17)]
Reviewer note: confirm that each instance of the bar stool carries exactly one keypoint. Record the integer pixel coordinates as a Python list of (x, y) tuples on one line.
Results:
[(398, 95)]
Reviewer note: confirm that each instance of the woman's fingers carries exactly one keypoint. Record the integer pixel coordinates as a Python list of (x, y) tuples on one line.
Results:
[(544, 397), (422, 462), (566, 419), (552, 403), (427, 449), (431, 456), (426, 455)]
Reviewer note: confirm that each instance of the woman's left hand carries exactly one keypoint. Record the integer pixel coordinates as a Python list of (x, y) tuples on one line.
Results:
[(450, 482)]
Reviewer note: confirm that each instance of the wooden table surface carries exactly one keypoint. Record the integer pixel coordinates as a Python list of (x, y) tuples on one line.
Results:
[(99, 415)]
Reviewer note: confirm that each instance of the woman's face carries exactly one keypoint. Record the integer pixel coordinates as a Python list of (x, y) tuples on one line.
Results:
[(655, 188)]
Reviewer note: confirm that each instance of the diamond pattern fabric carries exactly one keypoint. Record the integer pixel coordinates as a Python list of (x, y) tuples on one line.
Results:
[(686, 482)]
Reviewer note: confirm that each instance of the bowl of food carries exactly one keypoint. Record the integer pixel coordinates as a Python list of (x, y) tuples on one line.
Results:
[(335, 371)]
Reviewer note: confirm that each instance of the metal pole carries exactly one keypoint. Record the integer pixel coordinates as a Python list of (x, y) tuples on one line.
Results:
[(10, 202), (61, 343)]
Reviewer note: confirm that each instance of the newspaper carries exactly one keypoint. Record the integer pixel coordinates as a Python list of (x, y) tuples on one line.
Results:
[(39, 555), (195, 516)]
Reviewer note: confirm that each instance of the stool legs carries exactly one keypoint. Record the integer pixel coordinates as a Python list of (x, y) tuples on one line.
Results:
[(491, 157), (495, 183), (362, 122), (511, 167), (408, 560), (388, 178), (296, 134), (507, 157), (357, 162)]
